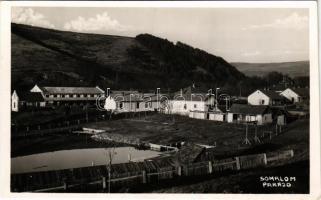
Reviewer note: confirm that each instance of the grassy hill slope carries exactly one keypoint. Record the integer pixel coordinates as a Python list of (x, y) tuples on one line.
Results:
[(58, 58), (293, 69)]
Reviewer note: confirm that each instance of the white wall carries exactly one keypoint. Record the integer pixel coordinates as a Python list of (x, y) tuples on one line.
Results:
[(197, 115), (265, 119), (132, 106), (289, 94), (14, 102), (230, 117), (257, 97), (182, 107), (217, 117)]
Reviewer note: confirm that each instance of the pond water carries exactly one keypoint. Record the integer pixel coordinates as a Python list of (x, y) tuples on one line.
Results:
[(77, 158)]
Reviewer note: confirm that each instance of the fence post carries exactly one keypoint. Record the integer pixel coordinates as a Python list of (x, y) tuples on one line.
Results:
[(292, 153), (264, 159), (144, 176), (104, 182), (27, 130), (65, 185), (179, 170), (210, 167), (238, 166), (186, 170)]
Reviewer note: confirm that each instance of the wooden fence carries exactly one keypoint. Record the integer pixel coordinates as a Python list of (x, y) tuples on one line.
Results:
[(128, 174)]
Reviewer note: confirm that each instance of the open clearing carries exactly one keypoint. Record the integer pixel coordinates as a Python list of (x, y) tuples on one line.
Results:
[(166, 129)]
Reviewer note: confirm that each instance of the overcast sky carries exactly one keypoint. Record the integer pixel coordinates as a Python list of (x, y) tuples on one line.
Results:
[(236, 34)]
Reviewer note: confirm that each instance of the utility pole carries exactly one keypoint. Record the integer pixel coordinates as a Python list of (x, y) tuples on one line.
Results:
[(86, 112), (216, 97), (110, 155), (109, 172), (157, 93), (256, 139), (246, 140), (210, 91)]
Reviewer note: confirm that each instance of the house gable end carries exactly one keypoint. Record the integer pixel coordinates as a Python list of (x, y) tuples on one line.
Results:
[(36, 88)]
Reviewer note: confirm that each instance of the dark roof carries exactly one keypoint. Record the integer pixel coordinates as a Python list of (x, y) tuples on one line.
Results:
[(124, 92), (151, 98), (279, 111), (31, 97), (189, 153), (72, 90), (272, 94), (222, 108), (304, 92), (248, 109), (192, 90), (188, 91), (131, 98)]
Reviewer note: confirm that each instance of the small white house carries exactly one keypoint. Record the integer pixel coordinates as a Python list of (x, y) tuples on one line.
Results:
[(296, 95), (265, 97), (184, 107), (14, 102), (27, 99), (240, 113), (218, 114), (132, 102), (189, 101)]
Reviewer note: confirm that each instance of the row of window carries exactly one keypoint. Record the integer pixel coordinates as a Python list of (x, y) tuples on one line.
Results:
[(147, 105), (185, 106), (70, 95)]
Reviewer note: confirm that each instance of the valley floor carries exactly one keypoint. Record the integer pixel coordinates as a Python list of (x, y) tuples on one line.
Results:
[(164, 129)]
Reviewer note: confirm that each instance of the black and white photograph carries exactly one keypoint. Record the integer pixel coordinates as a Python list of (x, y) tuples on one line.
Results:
[(163, 99)]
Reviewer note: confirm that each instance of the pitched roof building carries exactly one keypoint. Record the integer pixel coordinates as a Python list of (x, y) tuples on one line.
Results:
[(250, 113), (266, 97), (57, 95), (296, 95)]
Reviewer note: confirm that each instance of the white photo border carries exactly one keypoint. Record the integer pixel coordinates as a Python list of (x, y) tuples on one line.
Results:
[(5, 77)]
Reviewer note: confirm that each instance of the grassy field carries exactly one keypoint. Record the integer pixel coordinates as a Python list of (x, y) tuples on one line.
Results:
[(165, 129)]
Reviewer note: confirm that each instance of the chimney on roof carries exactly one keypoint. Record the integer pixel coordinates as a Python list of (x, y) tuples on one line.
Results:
[(181, 92)]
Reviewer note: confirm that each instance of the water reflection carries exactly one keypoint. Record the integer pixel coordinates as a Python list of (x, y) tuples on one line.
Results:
[(77, 158)]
